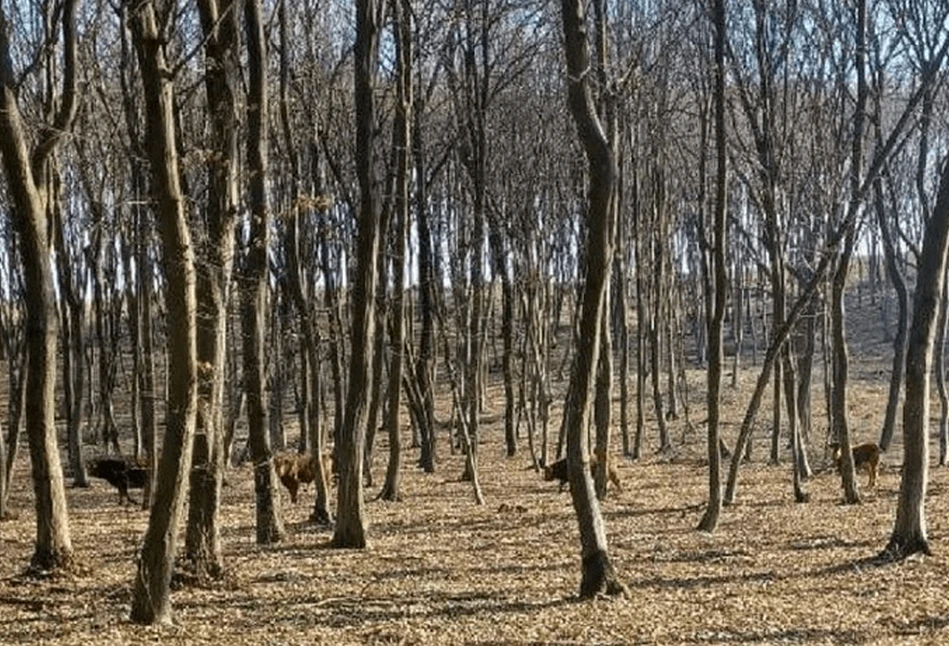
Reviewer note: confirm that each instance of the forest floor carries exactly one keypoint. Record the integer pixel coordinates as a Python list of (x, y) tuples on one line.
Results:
[(441, 570)]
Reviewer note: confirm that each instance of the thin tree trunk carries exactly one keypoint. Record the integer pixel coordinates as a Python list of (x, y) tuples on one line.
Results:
[(715, 301), (254, 286), (425, 363), (940, 369), (308, 324), (841, 426), (73, 340), (402, 15)]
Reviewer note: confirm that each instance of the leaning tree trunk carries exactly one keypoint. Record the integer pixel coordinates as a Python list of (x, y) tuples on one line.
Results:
[(216, 252), (350, 510), (902, 299), (254, 284), (151, 599), (598, 574), (841, 359), (909, 531), (25, 172)]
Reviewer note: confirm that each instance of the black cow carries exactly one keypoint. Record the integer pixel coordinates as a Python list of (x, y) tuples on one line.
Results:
[(558, 471), (120, 472)]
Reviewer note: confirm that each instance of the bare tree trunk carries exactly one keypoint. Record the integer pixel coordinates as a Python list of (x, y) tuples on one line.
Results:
[(402, 139), (425, 363), (301, 298), (4, 512), (151, 599), (603, 400), (254, 287), (909, 530), (16, 351), (621, 299), (598, 574), (28, 175), (219, 21), (143, 227), (350, 531), (641, 318), (655, 316), (940, 370), (841, 359), (797, 446), (715, 301), (72, 307), (148, 387), (499, 254)]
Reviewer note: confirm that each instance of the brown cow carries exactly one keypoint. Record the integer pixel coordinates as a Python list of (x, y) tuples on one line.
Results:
[(295, 469), (865, 456)]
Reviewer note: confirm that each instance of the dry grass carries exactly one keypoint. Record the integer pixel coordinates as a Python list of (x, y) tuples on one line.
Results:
[(442, 570)]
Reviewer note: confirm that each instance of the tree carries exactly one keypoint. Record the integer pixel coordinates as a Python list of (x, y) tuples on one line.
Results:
[(882, 153), (254, 285), (715, 300), (841, 427), (598, 574), (909, 530), (350, 510), (219, 22), (302, 298), (4, 513), (401, 149), (151, 602), (29, 172)]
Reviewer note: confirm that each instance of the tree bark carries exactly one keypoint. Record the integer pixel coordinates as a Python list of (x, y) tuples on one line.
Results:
[(715, 301), (27, 180), (215, 257), (909, 531), (151, 600), (298, 292), (598, 574), (350, 531), (402, 145), (254, 287), (841, 427)]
